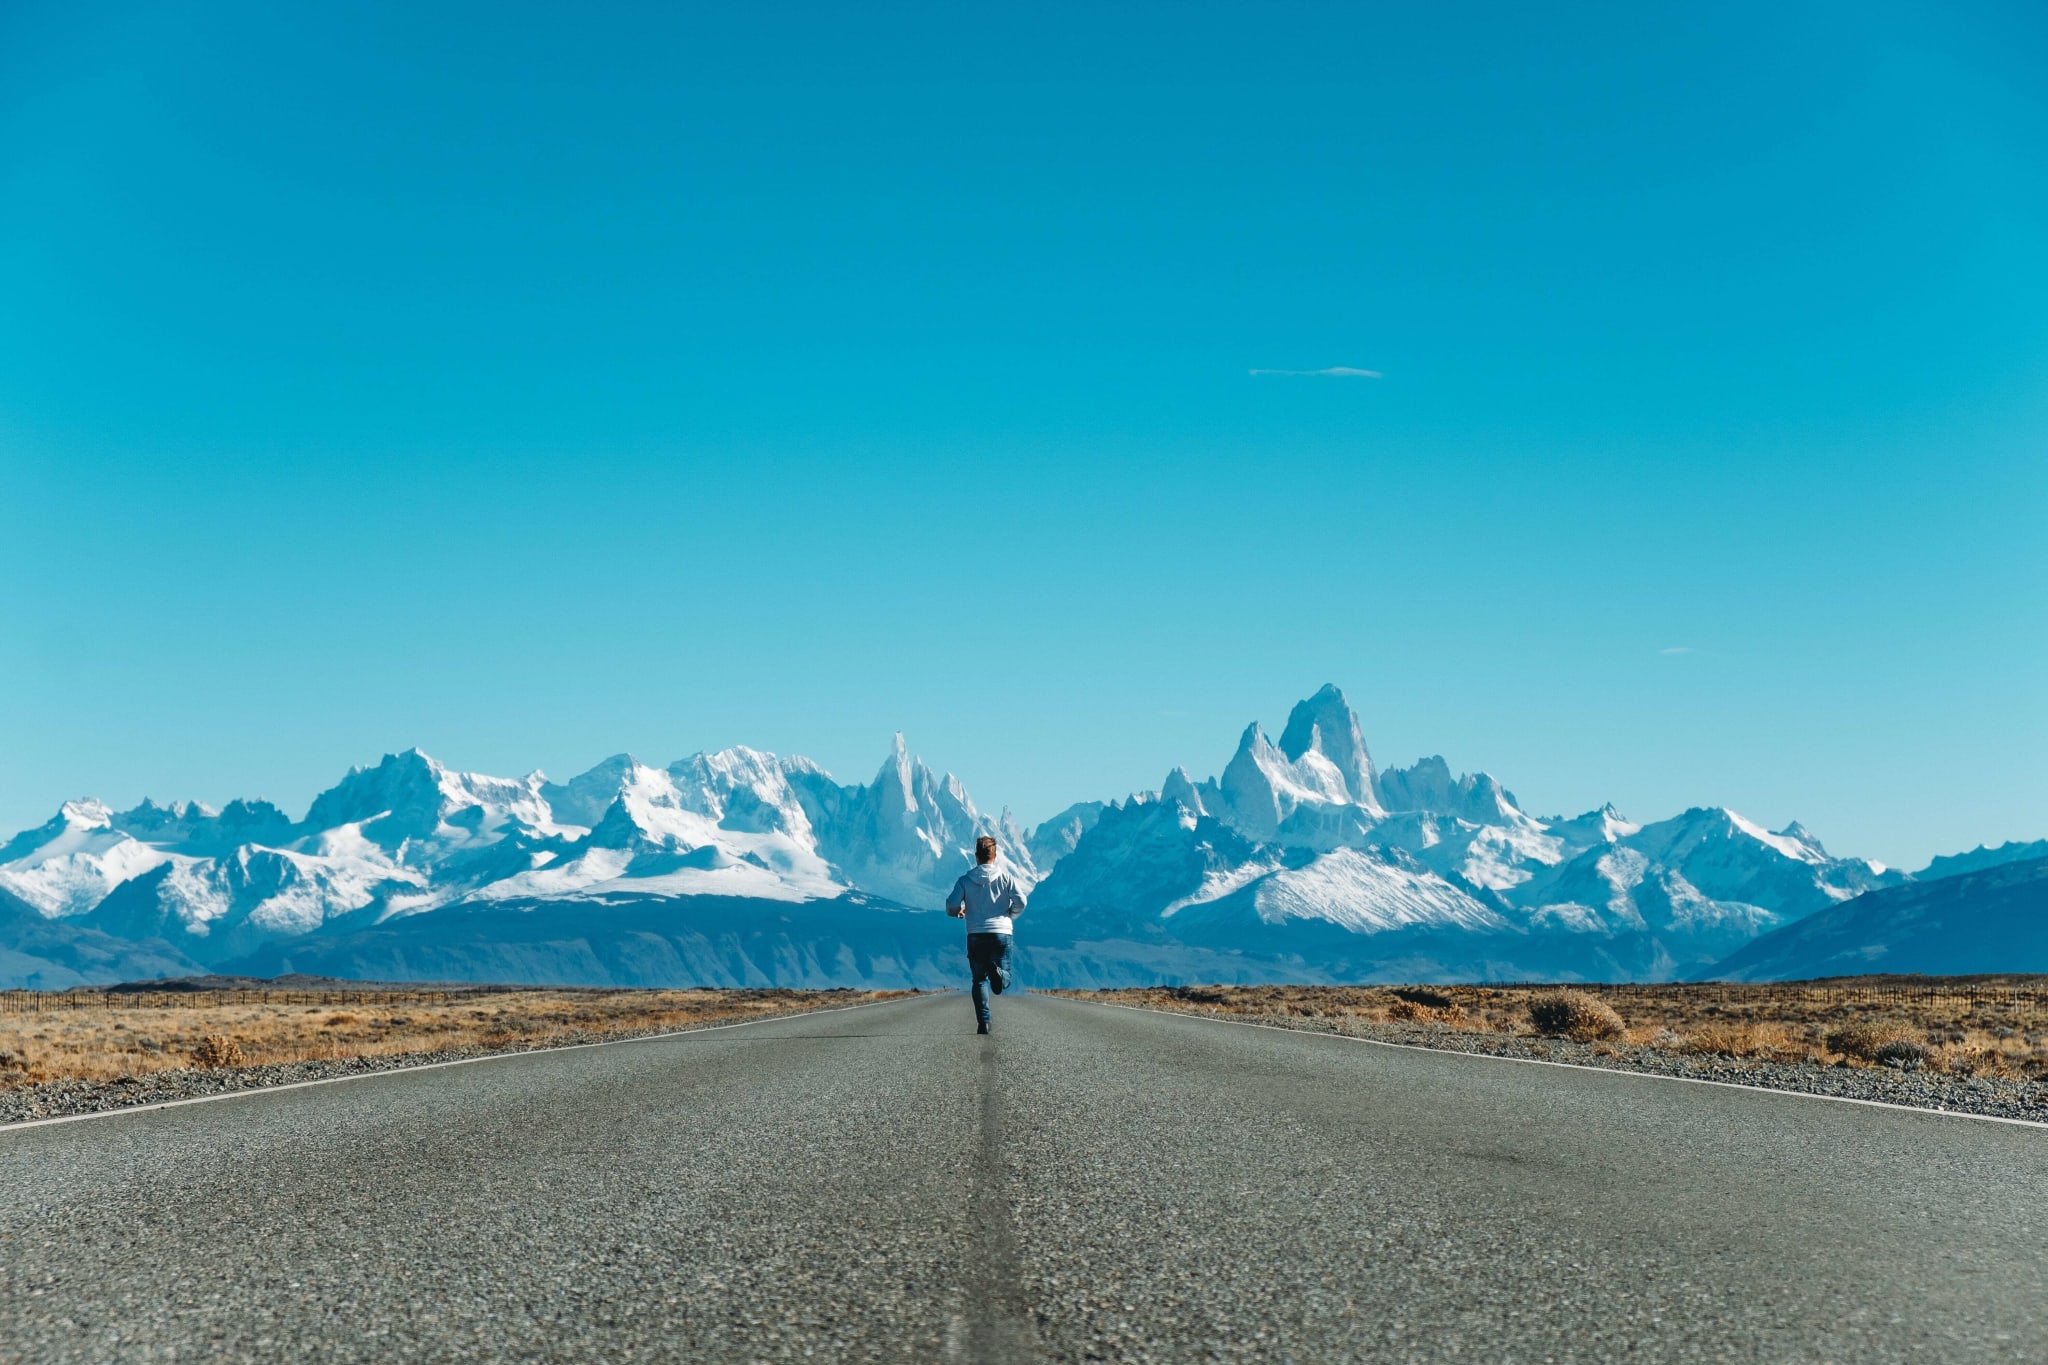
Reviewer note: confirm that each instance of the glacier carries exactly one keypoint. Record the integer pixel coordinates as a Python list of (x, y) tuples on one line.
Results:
[(1301, 859)]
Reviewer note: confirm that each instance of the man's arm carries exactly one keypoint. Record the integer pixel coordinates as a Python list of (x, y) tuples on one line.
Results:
[(1013, 904), (956, 904)]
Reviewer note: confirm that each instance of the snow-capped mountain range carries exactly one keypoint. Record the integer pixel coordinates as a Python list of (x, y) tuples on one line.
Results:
[(1301, 860), (409, 836)]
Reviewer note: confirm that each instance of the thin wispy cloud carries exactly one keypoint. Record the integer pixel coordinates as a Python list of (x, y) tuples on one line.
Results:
[(1334, 372)]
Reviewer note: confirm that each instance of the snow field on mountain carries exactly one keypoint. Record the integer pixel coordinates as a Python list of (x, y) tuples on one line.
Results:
[(69, 865), (1368, 895)]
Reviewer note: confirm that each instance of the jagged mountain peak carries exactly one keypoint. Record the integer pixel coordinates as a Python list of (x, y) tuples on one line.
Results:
[(618, 828), (584, 798), (1799, 833), (736, 759), (1603, 825), (193, 828), (1427, 785), (77, 820), (1054, 839), (899, 774), (1262, 791), (1325, 724), (85, 813), (66, 865), (411, 796), (408, 781), (1180, 787), (1697, 824), (73, 820), (248, 810), (148, 813), (723, 771)]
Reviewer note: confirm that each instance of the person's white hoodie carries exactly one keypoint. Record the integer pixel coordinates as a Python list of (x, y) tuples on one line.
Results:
[(989, 896)]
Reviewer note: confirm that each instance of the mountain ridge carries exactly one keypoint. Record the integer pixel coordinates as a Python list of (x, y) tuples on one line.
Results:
[(1300, 855), (1989, 919)]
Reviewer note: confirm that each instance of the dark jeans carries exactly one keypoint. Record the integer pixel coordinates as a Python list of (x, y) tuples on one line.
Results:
[(988, 957)]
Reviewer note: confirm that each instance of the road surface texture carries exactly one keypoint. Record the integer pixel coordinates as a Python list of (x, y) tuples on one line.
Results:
[(1090, 1183)]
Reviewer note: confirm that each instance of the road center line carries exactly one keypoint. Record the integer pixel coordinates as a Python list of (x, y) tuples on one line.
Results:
[(998, 1321)]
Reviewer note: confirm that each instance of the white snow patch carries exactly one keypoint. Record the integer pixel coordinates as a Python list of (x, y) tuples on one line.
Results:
[(1790, 847), (1220, 883), (1367, 895), (75, 870)]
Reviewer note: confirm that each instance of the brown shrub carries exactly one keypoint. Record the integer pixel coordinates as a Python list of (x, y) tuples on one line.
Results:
[(218, 1050), (1979, 1062), (1449, 1013), (1575, 1015), (1201, 995), (1865, 1041), (1425, 997), (1904, 1054)]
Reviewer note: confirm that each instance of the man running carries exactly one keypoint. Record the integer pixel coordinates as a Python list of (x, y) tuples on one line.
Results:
[(986, 899)]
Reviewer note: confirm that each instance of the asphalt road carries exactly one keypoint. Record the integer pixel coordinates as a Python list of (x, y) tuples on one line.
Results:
[(1087, 1184)]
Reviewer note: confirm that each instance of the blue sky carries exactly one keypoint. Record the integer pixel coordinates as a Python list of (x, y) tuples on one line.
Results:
[(531, 383)]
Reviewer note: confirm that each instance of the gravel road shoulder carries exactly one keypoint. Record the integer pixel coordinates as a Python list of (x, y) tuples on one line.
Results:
[(1990, 1096), (68, 1097)]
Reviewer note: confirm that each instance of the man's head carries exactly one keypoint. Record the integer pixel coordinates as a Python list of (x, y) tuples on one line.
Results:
[(984, 849)]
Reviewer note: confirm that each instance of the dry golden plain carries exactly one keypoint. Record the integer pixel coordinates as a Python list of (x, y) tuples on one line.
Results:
[(103, 1036), (1982, 1026)]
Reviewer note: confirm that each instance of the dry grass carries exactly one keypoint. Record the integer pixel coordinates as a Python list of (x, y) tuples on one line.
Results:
[(1767, 1039), (2001, 1030), (110, 1038), (1448, 1013)]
